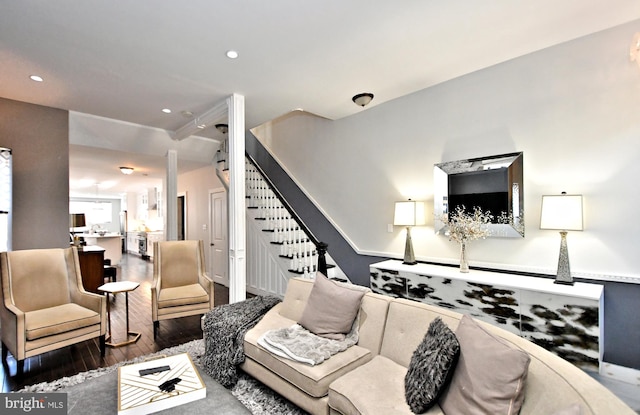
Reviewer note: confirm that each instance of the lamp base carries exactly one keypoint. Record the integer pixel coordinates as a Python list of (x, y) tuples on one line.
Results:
[(564, 270), (561, 282), (409, 257)]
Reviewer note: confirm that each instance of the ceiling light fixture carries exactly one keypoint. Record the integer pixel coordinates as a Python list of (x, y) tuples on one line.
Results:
[(126, 170), (362, 99), (223, 128), (166, 110), (36, 78), (232, 54)]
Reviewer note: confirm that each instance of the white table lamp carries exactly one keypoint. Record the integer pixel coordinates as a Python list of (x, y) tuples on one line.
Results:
[(563, 213), (409, 213)]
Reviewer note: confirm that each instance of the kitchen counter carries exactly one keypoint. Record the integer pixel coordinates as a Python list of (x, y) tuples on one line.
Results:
[(111, 242)]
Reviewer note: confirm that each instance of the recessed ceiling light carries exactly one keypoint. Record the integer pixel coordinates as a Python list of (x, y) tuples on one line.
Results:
[(232, 54), (166, 110), (36, 78)]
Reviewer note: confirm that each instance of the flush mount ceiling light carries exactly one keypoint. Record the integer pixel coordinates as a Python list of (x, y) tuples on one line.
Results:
[(223, 128), (166, 110), (362, 99), (36, 78), (232, 54), (126, 170)]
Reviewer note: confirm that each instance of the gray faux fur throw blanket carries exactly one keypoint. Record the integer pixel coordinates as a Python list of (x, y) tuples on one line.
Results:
[(299, 344), (224, 330)]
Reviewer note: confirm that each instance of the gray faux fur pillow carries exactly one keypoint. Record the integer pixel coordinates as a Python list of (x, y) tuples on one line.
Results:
[(432, 366)]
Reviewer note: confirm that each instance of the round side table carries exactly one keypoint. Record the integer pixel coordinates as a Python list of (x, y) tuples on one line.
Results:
[(114, 288)]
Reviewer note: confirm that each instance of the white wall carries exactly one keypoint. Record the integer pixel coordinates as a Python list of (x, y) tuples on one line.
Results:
[(574, 110), (196, 185)]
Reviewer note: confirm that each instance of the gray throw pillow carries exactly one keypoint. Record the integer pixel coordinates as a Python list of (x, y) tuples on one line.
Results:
[(431, 367), (490, 376), (331, 308)]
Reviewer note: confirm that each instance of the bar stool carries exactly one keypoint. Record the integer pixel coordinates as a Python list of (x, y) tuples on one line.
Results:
[(110, 271)]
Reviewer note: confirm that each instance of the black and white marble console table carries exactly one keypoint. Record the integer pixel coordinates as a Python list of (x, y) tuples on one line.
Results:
[(564, 319)]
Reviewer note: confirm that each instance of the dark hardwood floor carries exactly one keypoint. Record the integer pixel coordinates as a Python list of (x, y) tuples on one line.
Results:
[(86, 355)]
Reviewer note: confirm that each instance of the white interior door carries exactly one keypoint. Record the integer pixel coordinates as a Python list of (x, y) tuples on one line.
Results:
[(219, 247)]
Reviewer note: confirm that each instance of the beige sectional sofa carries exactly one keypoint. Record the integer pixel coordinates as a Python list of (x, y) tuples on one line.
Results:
[(368, 378)]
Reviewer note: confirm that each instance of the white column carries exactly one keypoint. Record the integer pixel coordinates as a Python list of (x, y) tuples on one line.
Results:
[(170, 197), (236, 212)]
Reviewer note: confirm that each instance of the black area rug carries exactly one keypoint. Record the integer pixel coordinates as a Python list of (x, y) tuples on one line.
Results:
[(258, 398)]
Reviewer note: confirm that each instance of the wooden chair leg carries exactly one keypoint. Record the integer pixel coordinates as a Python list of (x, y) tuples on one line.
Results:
[(103, 345), (19, 368), (156, 326), (5, 352)]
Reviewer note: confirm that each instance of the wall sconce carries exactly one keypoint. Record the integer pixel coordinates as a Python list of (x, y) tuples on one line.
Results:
[(126, 170), (362, 99), (409, 214), (564, 213)]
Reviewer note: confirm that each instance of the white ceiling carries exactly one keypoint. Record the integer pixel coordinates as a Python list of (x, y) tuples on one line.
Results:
[(128, 60)]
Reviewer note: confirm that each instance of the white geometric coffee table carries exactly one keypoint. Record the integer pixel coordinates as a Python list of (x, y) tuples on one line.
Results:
[(141, 394)]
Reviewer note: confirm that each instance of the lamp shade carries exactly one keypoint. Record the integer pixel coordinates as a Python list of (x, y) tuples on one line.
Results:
[(409, 213), (77, 220), (561, 212)]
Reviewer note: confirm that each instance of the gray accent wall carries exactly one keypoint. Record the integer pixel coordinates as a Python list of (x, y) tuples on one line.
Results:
[(39, 139)]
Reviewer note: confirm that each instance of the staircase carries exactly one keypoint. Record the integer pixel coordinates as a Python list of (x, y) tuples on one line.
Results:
[(279, 245)]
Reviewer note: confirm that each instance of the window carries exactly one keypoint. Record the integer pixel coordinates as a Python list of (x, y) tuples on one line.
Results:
[(95, 212)]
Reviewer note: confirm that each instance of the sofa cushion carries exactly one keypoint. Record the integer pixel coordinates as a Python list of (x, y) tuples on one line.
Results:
[(331, 308), (490, 375), (313, 380), (574, 409), (374, 388), (60, 319), (184, 295), (432, 366), (407, 323)]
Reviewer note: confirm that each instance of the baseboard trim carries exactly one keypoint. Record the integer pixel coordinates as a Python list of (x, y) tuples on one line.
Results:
[(621, 373)]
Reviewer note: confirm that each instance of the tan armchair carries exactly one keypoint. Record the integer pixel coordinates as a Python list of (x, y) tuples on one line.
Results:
[(181, 286), (44, 305)]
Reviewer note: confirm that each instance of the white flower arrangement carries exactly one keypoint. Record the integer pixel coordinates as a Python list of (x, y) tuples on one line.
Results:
[(465, 227)]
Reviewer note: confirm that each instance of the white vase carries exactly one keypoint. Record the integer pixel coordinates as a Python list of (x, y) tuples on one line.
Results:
[(464, 265)]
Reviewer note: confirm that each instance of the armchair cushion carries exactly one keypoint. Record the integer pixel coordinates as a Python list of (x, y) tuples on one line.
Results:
[(184, 295), (59, 319)]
